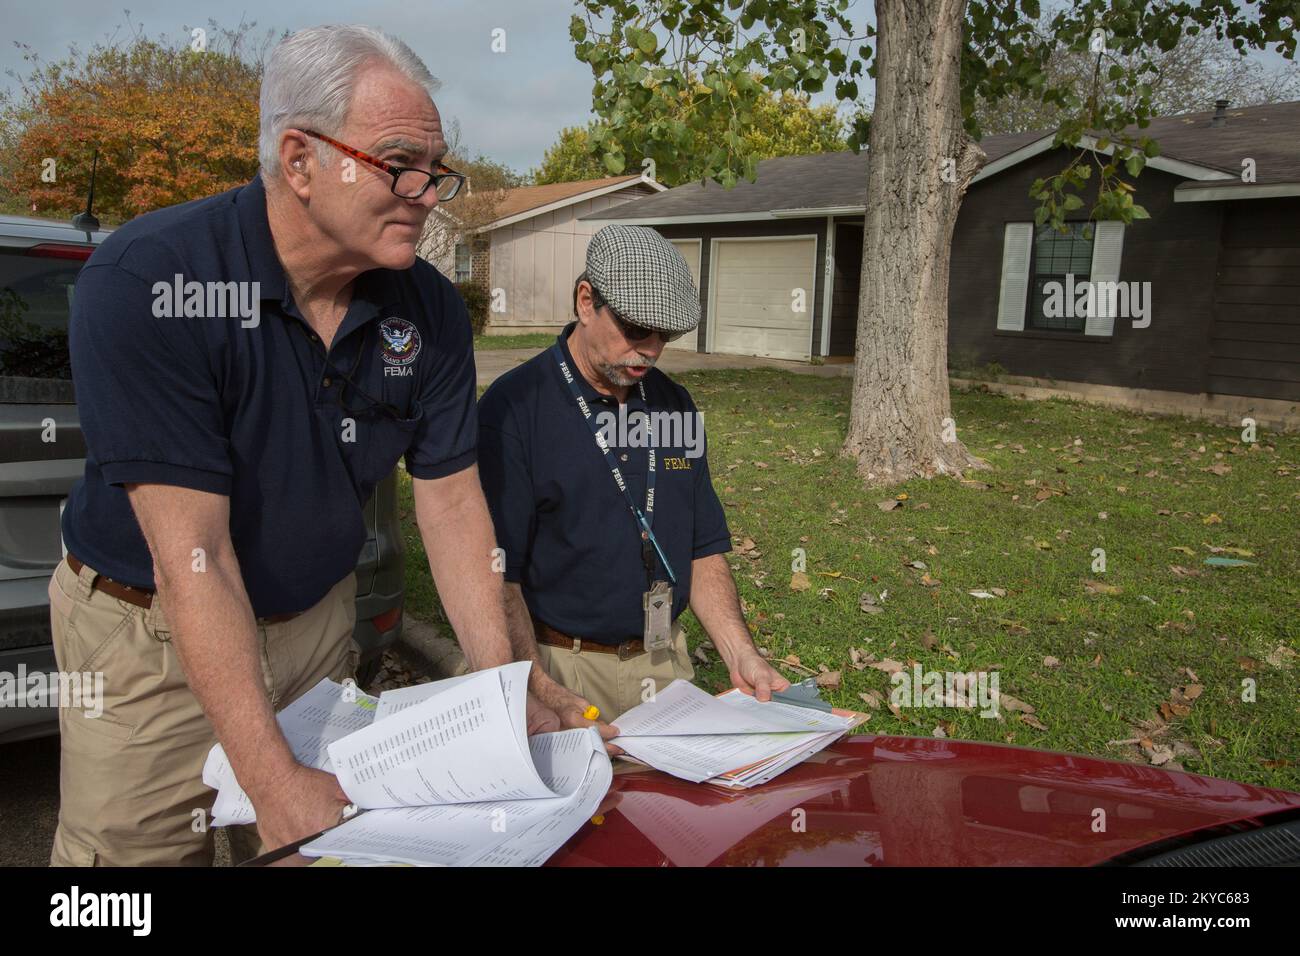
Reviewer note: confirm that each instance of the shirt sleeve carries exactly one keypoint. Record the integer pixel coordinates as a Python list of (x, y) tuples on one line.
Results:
[(712, 536), (508, 488), (147, 395), (446, 439)]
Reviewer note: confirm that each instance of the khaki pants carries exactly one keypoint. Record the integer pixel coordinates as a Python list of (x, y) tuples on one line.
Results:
[(613, 685), (130, 781)]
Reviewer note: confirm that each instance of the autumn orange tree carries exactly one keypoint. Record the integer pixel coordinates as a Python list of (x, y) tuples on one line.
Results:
[(171, 122)]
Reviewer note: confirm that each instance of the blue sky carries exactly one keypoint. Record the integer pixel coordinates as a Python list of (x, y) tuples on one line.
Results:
[(511, 105)]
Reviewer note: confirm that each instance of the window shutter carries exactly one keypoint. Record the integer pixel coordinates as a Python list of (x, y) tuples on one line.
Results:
[(1016, 246), (1107, 249)]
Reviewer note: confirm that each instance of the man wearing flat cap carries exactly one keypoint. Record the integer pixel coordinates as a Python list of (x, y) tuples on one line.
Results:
[(594, 466)]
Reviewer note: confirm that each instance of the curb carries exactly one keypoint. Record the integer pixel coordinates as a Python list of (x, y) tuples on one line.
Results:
[(421, 647)]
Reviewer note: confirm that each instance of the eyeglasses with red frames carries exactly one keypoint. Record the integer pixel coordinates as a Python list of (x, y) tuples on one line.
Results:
[(409, 182)]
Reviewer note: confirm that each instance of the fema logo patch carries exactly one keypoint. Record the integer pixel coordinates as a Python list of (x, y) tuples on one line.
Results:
[(400, 341)]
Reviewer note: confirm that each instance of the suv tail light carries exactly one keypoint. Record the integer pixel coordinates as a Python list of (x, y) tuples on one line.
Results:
[(387, 620), (61, 250)]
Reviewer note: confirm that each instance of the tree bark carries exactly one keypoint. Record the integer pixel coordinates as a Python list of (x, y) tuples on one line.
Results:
[(920, 162)]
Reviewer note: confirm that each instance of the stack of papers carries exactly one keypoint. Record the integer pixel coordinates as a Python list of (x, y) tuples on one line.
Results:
[(733, 740), (446, 772)]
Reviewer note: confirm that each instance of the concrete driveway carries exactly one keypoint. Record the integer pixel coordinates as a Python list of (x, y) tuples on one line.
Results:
[(491, 363)]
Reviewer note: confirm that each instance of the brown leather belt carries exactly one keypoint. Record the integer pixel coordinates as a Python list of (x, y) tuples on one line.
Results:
[(550, 636), (142, 597)]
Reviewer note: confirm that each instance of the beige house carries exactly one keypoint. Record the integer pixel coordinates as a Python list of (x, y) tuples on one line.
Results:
[(529, 255)]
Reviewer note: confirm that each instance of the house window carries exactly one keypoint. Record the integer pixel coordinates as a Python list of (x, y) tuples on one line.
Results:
[(462, 262), (1058, 256)]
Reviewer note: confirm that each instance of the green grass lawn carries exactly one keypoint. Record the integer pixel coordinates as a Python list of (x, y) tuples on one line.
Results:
[(1066, 478), (526, 340)]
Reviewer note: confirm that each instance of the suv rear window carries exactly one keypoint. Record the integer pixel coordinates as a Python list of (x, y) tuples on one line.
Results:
[(35, 304)]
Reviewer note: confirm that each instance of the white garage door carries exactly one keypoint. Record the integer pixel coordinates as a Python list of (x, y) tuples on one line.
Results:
[(690, 250), (762, 296)]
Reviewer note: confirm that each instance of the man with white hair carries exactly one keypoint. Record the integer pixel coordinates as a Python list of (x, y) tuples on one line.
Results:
[(213, 537)]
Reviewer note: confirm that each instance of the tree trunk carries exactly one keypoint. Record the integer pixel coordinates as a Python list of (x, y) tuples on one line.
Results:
[(920, 162)]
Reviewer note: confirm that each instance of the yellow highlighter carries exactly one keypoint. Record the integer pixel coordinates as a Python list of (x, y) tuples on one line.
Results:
[(591, 713)]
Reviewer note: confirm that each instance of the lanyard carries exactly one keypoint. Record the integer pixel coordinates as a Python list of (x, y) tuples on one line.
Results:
[(644, 519)]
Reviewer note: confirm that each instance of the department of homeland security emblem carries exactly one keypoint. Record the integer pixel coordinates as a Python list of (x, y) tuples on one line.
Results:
[(401, 341)]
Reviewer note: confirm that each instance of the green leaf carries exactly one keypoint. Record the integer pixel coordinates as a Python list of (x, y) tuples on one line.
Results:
[(614, 162)]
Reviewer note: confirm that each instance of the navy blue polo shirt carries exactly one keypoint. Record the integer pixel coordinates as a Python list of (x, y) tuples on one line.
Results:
[(570, 540), (253, 407)]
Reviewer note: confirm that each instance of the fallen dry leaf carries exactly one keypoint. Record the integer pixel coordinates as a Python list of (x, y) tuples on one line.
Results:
[(1239, 552), (872, 698), (1100, 587), (829, 679), (1012, 703), (1280, 656), (867, 604), (1161, 755)]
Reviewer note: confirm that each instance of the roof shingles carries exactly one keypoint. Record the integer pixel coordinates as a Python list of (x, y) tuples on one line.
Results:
[(1268, 134)]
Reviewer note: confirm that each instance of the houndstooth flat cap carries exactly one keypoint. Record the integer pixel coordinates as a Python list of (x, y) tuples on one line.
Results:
[(644, 278)]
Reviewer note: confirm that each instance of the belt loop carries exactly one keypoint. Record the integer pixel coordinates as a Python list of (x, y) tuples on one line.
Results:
[(577, 645), (85, 582)]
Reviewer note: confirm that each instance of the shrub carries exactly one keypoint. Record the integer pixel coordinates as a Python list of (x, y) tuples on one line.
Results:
[(477, 300)]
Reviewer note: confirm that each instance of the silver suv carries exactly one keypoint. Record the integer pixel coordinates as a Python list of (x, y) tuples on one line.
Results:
[(39, 262)]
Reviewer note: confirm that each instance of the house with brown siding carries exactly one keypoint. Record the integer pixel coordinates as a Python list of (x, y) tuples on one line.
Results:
[(1198, 307), (526, 256)]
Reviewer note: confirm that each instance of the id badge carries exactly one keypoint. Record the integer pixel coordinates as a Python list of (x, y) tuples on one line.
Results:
[(658, 605)]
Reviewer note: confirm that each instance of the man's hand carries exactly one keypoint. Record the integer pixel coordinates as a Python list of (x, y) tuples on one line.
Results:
[(304, 802), (569, 709), (541, 719), (756, 677)]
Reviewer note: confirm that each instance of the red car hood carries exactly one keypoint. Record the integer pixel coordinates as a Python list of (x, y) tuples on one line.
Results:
[(912, 801)]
